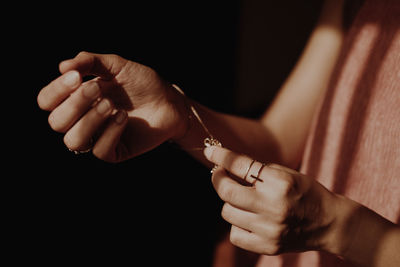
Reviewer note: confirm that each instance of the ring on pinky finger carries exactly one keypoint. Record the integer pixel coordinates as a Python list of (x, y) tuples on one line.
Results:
[(77, 152)]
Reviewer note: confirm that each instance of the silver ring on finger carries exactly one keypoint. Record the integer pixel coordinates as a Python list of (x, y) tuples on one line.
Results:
[(77, 152)]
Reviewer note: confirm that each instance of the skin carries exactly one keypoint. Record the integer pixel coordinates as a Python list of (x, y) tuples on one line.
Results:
[(286, 211), (133, 105), (128, 109)]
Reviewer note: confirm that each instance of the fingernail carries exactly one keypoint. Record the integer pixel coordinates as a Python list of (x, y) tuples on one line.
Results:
[(91, 90), (208, 151), (103, 106), (120, 116), (71, 78)]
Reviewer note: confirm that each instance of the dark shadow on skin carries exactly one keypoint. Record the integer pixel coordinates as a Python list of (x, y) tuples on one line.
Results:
[(139, 129), (115, 91)]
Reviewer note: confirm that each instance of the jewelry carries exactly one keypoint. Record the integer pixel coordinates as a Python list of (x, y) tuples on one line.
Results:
[(257, 178), (208, 141), (248, 169), (77, 152), (214, 169)]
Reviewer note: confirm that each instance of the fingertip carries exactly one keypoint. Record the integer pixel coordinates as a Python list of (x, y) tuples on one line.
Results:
[(120, 117), (72, 79), (82, 62), (208, 152), (40, 101), (65, 66)]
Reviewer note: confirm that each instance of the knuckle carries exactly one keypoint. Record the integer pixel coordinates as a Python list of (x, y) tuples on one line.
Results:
[(226, 212), (235, 239), (226, 193), (283, 212), (241, 165), (272, 249), (240, 240), (83, 54), (271, 246), (286, 183), (115, 57), (274, 166), (277, 232)]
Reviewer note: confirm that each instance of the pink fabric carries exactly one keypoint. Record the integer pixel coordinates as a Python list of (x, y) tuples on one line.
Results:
[(354, 144)]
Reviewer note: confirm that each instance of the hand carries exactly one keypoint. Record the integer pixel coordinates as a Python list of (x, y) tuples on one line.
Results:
[(272, 209), (125, 110)]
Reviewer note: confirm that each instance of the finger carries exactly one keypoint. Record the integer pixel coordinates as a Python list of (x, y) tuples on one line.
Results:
[(240, 218), (67, 113), (235, 163), (81, 133), (256, 223), (253, 242), (230, 191), (105, 66), (59, 89), (238, 164), (108, 146)]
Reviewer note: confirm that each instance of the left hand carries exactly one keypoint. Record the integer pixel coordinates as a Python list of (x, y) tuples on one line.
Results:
[(150, 110), (272, 209)]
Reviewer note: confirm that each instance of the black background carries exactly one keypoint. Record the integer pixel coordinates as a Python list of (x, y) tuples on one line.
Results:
[(159, 207)]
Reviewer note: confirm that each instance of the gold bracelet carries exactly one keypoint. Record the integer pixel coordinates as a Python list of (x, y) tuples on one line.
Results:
[(208, 141)]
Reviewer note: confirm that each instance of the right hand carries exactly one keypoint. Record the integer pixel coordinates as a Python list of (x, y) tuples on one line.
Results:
[(148, 109)]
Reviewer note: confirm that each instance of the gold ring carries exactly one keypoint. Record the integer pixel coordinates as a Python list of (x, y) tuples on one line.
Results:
[(257, 178)]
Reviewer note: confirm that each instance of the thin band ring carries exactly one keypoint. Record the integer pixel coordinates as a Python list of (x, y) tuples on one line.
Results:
[(248, 169), (257, 178), (77, 152)]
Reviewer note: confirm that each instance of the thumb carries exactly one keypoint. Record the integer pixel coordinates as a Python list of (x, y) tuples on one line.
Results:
[(104, 65)]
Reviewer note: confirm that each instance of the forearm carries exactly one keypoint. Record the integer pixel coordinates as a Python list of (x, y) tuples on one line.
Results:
[(244, 135), (364, 237), (291, 112), (280, 134)]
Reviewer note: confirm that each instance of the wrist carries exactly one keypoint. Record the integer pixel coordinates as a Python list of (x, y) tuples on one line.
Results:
[(363, 237), (343, 227), (182, 113)]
